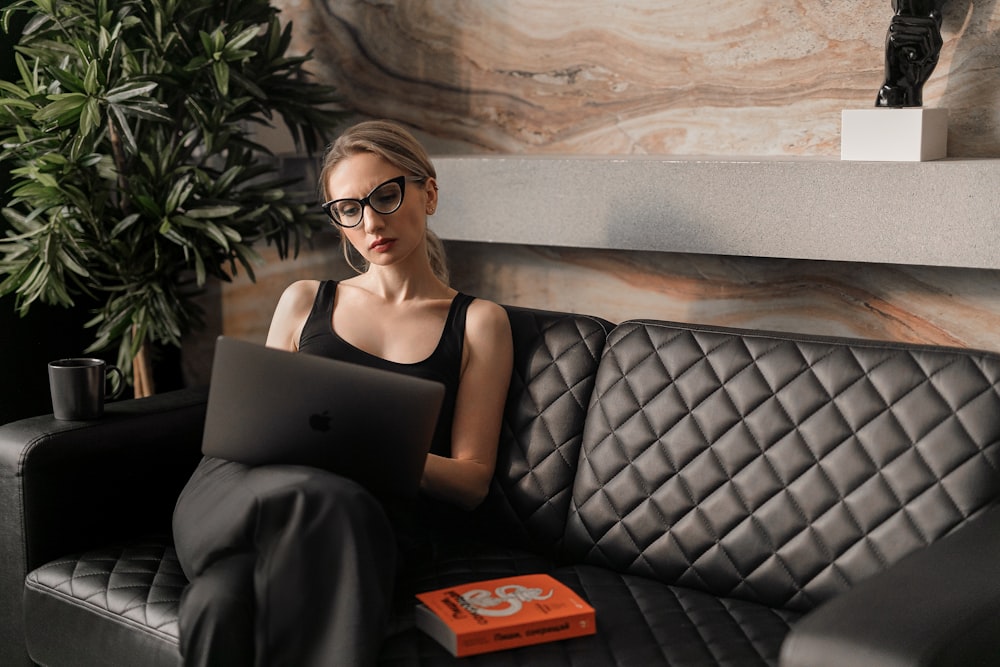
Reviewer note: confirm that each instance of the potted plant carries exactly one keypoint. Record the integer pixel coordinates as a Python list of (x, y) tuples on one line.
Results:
[(135, 173)]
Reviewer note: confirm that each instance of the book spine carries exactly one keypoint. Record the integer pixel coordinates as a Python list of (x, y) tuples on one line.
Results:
[(525, 634)]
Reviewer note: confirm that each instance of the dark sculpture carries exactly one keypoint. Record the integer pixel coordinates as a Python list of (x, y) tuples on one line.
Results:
[(912, 47)]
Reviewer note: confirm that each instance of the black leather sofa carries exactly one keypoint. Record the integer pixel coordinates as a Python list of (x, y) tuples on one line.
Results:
[(721, 497)]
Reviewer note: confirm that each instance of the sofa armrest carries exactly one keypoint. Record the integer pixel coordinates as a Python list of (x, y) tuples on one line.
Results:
[(938, 606), (67, 486)]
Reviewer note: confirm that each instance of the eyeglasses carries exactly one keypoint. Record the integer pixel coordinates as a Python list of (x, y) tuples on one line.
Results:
[(384, 199)]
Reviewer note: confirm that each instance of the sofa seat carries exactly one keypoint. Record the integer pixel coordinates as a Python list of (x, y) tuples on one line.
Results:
[(117, 602), (114, 602)]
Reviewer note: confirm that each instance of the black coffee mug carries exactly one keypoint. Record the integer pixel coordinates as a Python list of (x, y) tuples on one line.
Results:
[(78, 387)]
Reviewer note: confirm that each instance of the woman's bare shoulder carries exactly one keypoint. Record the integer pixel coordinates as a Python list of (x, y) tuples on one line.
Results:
[(291, 312), (302, 288), (487, 320)]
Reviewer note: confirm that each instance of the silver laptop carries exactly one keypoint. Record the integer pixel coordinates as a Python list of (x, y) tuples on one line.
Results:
[(272, 406)]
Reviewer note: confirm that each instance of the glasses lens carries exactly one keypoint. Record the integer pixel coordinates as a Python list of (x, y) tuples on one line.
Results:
[(346, 212), (386, 198)]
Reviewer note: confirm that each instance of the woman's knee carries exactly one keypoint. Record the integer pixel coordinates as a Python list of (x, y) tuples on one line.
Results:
[(311, 498)]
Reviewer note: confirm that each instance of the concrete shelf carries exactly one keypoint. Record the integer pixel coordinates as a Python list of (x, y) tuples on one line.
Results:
[(939, 213)]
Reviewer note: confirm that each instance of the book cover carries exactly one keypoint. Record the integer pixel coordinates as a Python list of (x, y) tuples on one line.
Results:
[(503, 613)]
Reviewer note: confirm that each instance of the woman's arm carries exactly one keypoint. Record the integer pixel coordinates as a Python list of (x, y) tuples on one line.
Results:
[(464, 479), (290, 315)]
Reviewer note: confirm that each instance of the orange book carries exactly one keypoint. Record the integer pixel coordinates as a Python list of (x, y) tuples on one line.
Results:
[(503, 613)]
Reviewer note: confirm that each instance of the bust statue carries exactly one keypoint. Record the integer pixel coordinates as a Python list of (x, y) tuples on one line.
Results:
[(912, 47)]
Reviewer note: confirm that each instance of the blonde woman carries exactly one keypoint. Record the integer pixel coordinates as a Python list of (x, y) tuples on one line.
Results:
[(295, 566)]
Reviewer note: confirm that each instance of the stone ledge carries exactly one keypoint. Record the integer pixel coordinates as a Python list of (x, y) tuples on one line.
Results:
[(941, 213)]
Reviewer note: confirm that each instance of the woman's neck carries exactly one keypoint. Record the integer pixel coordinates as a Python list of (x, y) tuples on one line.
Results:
[(393, 284)]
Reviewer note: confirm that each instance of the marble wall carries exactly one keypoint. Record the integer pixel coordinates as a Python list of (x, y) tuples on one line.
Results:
[(713, 77), (666, 77)]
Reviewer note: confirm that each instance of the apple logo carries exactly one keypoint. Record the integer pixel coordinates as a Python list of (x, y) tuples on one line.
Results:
[(320, 421)]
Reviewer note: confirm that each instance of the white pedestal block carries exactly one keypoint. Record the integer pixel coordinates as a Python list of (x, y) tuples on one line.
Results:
[(894, 135)]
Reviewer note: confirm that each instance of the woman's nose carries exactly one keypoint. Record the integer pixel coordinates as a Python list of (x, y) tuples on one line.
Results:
[(372, 219)]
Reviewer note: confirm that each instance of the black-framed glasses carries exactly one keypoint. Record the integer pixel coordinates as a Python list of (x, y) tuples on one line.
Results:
[(384, 199)]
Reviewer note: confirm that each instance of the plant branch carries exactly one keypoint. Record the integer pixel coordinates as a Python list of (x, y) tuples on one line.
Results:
[(135, 176)]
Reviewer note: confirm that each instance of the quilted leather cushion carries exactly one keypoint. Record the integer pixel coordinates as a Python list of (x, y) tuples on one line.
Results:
[(111, 606), (555, 362), (639, 622), (118, 606), (779, 469)]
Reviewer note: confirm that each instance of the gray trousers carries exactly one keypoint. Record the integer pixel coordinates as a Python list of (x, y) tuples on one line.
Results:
[(289, 565)]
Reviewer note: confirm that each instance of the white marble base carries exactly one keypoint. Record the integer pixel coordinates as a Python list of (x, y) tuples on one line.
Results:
[(894, 135)]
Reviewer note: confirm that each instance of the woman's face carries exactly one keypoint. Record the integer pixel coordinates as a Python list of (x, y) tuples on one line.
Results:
[(383, 239)]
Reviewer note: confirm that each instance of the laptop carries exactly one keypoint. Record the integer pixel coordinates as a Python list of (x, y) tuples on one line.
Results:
[(273, 406)]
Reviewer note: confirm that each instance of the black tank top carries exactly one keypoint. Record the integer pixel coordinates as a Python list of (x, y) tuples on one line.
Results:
[(444, 365)]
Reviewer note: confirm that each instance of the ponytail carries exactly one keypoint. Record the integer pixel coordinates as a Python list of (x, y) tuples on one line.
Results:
[(437, 257)]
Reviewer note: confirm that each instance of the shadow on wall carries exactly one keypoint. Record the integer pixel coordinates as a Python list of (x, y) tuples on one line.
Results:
[(973, 100)]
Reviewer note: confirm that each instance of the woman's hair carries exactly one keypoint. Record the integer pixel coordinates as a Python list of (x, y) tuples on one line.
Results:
[(397, 146)]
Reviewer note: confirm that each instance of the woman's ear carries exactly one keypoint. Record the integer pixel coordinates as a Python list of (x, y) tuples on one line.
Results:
[(431, 189)]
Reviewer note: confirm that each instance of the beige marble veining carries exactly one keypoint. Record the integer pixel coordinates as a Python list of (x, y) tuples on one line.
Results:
[(655, 76), (917, 304)]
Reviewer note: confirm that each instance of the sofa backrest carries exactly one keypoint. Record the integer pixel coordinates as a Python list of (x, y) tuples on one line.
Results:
[(776, 468), (555, 363)]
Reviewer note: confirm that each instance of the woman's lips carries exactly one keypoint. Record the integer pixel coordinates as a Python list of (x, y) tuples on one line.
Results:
[(381, 245)]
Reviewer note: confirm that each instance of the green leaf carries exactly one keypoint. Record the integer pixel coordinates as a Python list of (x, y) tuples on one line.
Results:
[(7, 102), (212, 212), (90, 78), (123, 129), (216, 235), (199, 268), (149, 206), (68, 78), (243, 39), (130, 90), (220, 71), (179, 193), (249, 86), (124, 224), (168, 231), (71, 264), (44, 5), (206, 42), (231, 233), (90, 117), (27, 75), (218, 41), (13, 89), (147, 109), (64, 108)]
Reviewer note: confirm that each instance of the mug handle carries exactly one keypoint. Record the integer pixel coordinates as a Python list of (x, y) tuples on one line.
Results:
[(119, 386)]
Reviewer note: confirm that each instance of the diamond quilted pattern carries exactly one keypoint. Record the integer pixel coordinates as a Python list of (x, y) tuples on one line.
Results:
[(779, 469), (140, 583), (554, 367), (639, 622)]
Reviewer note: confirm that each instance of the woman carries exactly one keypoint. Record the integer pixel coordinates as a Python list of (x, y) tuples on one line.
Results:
[(292, 565)]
